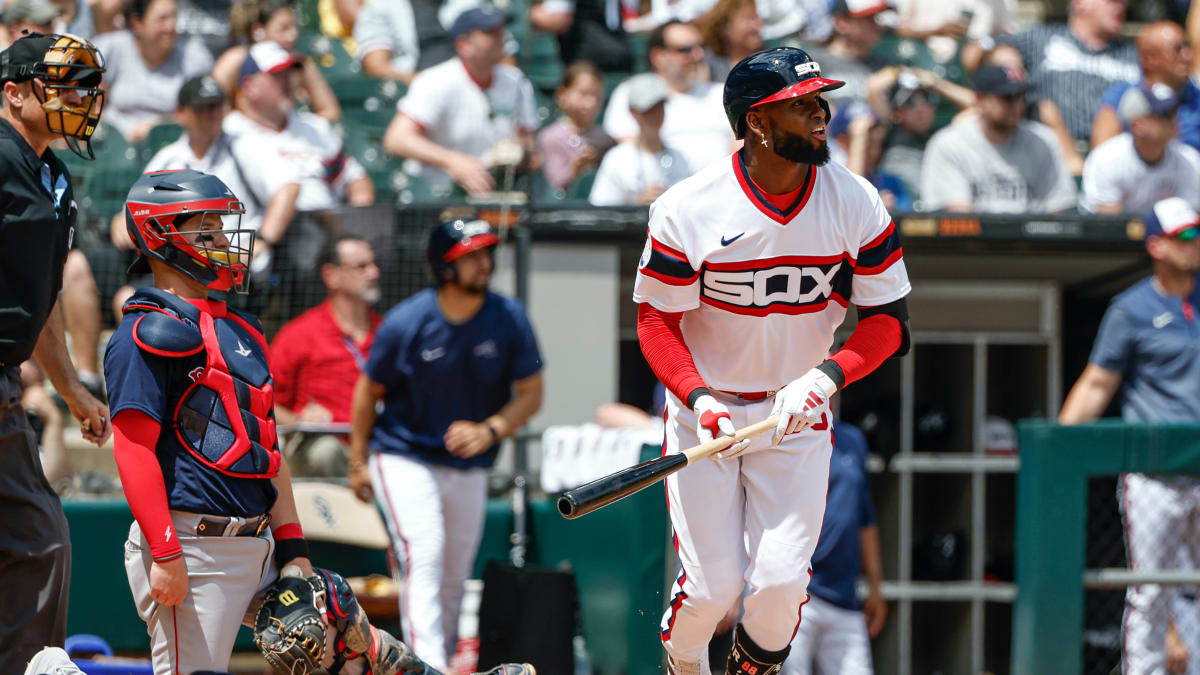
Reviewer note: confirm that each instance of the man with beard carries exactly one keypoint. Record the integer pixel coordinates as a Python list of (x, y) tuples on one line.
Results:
[(446, 363), (997, 161), (317, 357), (748, 270), (1148, 347)]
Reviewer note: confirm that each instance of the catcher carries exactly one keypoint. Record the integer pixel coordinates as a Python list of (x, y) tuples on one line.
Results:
[(216, 541)]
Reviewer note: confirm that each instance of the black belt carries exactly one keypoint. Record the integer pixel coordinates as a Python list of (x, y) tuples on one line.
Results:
[(217, 526)]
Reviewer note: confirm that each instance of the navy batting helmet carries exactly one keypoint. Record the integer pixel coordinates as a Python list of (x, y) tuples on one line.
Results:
[(771, 75), (156, 209), (454, 238)]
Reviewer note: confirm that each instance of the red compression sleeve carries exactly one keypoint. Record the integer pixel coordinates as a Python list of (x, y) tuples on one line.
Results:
[(874, 339), (134, 436), (665, 351), (288, 531)]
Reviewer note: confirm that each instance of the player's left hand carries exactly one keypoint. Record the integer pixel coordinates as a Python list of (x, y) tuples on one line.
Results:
[(92, 414), (467, 439), (713, 421), (875, 610), (802, 404)]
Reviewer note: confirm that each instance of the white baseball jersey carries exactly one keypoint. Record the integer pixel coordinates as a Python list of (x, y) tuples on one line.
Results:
[(768, 287)]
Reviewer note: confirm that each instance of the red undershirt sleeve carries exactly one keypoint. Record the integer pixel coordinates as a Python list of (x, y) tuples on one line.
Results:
[(665, 351), (135, 435), (874, 339)]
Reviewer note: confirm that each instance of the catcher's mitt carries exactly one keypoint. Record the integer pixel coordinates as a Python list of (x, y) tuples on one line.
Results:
[(288, 628)]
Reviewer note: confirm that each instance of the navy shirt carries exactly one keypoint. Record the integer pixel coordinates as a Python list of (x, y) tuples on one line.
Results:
[(848, 509), (138, 380), (1153, 341), (1187, 117), (436, 372)]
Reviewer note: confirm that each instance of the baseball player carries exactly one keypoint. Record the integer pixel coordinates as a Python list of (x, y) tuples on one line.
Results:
[(216, 533), (748, 269), (1148, 349)]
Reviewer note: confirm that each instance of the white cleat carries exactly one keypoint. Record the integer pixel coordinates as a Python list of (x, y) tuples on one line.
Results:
[(52, 661)]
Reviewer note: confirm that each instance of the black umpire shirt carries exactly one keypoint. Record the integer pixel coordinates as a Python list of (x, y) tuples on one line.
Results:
[(37, 222)]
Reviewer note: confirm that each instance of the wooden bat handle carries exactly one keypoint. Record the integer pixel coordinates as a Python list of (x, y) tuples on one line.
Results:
[(705, 450)]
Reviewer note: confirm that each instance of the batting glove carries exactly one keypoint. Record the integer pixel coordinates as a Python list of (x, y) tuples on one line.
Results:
[(802, 404), (712, 421)]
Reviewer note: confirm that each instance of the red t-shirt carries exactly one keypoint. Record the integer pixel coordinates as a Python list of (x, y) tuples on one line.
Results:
[(313, 361)]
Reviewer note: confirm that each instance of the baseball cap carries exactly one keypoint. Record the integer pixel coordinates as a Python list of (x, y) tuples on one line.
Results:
[(999, 436), (18, 61), (477, 18), (266, 57), (646, 90), (34, 11), (840, 124), (199, 91), (1000, 81), (906, 88), (1156, 101), (1170, 217), (860, 8)]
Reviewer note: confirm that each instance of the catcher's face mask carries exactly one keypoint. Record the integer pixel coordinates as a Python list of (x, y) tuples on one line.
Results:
[(70, 93)]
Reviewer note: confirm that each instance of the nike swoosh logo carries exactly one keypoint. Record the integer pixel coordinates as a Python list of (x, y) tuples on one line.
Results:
[(726, 242)]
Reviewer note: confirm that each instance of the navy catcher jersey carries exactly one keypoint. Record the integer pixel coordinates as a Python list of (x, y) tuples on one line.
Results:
[(437, 372)]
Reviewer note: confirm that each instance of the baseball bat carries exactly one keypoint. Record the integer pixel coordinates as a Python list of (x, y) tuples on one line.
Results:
[(614, 487)]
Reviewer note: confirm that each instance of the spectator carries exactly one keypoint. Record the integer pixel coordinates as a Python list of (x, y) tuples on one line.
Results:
[(858, 138), (1166, 61), (575, 142), (47, 422), (1148, 350), (587, 30), (732, 31), (289, 156), (911, 107), (457, 369), (147, 65), (1133, 170), (206, 21), (1073, 64), (637, 171), (810, 20), (996, 162), (75, 17), (695, 122), (944, 23), (275, 21), (849, 52), (337, 19), (836, 630), (398, 38), (459, 116), (35, 16), (317, 357)]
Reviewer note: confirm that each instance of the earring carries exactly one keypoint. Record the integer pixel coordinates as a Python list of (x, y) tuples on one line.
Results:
[(764, 141)]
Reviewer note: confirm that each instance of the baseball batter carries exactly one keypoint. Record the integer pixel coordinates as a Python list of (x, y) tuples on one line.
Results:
[(216, 535), (749, 267)]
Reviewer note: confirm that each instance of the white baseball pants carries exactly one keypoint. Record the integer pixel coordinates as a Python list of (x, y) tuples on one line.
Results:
[(1162, 531), (751, 520), (435, 516), (833, 638)]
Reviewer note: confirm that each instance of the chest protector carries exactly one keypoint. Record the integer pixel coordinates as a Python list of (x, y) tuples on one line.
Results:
[(223, 419)]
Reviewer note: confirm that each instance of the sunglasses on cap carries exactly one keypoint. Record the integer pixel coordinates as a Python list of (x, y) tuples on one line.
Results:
[(1187, 234)]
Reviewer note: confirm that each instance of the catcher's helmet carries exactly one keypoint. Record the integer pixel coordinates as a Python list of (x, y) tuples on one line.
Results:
[(157, 203), (452, 239), (61, 63), (771, 75)]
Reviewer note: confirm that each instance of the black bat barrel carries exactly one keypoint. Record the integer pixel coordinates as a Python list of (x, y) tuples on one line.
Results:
[(604, 491)]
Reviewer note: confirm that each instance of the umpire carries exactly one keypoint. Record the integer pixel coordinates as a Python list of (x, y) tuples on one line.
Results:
[(50, 91)]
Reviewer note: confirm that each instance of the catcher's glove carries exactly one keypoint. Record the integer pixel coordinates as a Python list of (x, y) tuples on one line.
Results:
[(288, 628)]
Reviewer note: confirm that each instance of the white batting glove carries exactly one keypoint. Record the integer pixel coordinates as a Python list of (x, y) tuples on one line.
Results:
[(712, 421), (802, 403)]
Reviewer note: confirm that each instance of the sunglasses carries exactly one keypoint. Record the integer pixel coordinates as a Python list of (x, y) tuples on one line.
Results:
[(685, 49), (1190, 234)]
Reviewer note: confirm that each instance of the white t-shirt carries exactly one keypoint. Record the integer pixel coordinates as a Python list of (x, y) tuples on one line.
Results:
[(388, 25), (694, 123), (627, 169), (218, 161), (455, 112), (1114, 174), (136, 93), (762, 290), (306, 151)]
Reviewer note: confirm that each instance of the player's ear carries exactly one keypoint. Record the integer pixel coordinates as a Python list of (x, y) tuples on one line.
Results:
[(756, 126)]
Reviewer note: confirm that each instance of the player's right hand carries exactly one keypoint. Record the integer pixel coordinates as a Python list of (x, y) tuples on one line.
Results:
[(169, 582), (712, 421)]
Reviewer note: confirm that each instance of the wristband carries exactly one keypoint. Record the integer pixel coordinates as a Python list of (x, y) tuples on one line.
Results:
[(495, 434), (834, 371), (288, 531), (290, 549), (695, 396)]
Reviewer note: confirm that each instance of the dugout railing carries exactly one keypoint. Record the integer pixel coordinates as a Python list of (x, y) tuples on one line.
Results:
[(1052, 528)]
